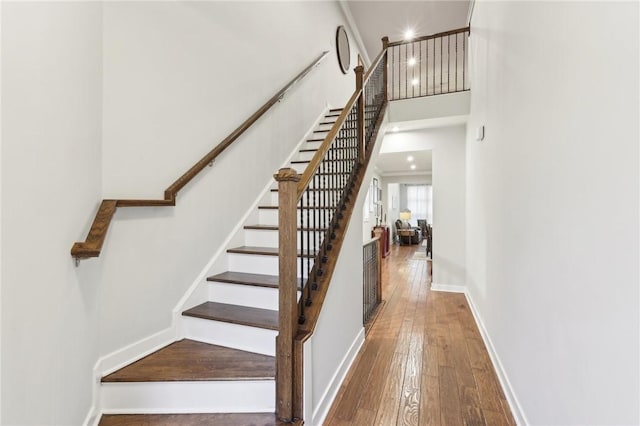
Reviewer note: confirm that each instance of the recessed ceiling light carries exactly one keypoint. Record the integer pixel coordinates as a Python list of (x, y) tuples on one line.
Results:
[(410, 158), (409, 33), (414, 82), (395, 128), (412, 61), (413, 167)]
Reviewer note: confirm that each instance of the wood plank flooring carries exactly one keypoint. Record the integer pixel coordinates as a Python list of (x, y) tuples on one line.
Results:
[(423, 362)]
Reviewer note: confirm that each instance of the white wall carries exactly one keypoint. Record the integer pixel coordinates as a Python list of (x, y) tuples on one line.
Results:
[(51, 181), (448, 181), (178, 78), (118, 100), (552, 202), (369, 220)]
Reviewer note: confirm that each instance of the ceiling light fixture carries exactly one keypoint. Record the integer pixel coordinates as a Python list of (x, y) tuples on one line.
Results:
[(413, 167), (409, 33), (414, 82), (395, 128), (412, 61), (410, 158)]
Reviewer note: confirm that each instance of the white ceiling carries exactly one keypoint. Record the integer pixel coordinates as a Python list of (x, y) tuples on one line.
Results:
[(376, 19), (398, 164)]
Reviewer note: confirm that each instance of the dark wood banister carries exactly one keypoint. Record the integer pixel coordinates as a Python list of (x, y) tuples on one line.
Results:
[(432, 36), (291, 186), (326, 144), (92, 245)]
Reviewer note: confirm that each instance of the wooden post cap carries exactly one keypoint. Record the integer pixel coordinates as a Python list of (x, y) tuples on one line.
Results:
[(385, 42), (287, 174)]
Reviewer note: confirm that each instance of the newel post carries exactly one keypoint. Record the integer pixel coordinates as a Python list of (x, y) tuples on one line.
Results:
[(385, 47), (287, 314), (359, 70)]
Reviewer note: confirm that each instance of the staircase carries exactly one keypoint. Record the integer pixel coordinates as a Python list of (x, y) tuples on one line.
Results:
[(225, 364)]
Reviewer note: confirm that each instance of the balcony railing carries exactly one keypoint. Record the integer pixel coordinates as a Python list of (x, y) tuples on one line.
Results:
[(429, 65)]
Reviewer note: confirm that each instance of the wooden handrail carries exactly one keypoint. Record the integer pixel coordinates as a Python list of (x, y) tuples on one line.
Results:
[(432, 36), (92, 245)]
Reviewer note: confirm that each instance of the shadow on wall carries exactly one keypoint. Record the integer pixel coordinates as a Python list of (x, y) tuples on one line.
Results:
[(446, 272)]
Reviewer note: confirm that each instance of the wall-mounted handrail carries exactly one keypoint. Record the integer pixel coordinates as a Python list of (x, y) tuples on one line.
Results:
[(92, 245)]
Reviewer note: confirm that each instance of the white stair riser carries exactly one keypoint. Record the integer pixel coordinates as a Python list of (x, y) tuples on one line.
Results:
[(188, 397), (273, 200), (243, 295), (270, 217), (315, 198), (299, 167), (257, 264), (246, 338), (311, 145), (269, 238), (306, 155)]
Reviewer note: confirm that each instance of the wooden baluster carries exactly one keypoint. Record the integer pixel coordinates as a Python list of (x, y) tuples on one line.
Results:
[(287, 314), (359, 86)]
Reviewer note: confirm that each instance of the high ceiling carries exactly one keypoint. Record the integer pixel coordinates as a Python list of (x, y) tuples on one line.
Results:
[(376, 19)]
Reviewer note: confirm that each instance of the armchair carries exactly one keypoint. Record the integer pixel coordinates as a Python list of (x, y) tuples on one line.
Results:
[(408, 234)]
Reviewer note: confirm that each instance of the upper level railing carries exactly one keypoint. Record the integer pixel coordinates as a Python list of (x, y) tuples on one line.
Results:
[(429, 65), (92, 246), (314, 210)]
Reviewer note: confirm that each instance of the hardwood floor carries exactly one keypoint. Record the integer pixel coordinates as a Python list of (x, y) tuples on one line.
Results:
[(423, 362)]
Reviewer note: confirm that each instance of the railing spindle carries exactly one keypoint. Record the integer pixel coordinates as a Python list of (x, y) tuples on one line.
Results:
[(331, 176)]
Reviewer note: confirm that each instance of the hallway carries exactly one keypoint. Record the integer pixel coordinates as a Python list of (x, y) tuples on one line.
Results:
[(423, 361)]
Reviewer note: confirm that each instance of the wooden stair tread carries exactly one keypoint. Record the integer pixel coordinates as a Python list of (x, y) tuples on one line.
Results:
[(235, 314), (328, 161), (266, 251), (189, 360), (276, 228), (334, 148), (258, 280), (221, 419), (306, 207)]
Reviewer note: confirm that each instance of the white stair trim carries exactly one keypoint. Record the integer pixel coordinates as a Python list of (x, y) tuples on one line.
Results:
[(238, 396)]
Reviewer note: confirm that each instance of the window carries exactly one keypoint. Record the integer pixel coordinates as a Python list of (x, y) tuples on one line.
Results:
[(419, 202)]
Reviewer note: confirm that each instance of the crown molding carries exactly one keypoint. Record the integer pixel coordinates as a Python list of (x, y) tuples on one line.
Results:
[(346, 11)]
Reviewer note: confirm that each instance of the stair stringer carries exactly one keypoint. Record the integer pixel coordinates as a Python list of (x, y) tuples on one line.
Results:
[(196, 292)]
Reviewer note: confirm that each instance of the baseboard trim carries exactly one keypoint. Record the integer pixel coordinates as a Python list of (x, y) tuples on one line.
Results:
[(322, 409), (451, 288), (93, 418), (120, 358), (514, 404)]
